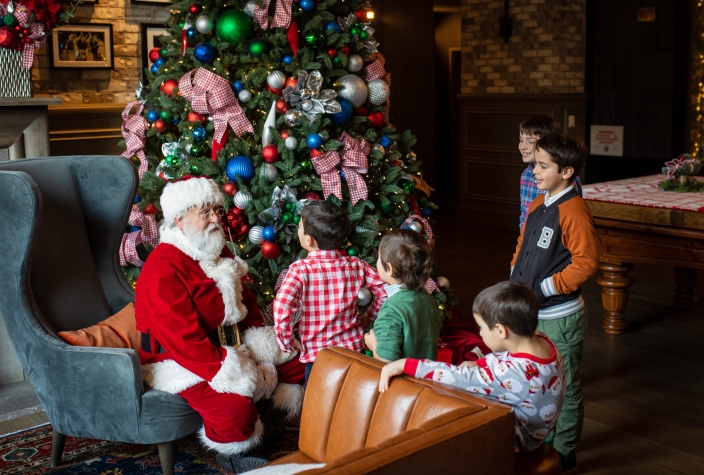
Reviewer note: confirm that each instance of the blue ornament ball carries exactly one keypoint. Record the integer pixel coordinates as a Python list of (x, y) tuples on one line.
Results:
[(332, 28), (386, 141), (2, 23), (154, 69), (426, 212), (199, 134), (137, 198), (270, 234), (314, 141), (152, 116), (238, 85), (204, 52), (240, 166), (191, 32), (176, 120), (342, 175), (346, 113), (159, 62), (135, 228), (307, 5), (287, 59)]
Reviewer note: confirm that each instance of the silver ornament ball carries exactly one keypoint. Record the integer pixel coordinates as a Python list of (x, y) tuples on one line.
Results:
[(364, 297), (270, 172), (291, 143), (354, 63), (324, 134), (443, 283), (276, 79), (352, 88), (379, 148), (245, 95), (255, 235), (307, 105), (293, 117), (241, 199), (411, 157), (378, 91), (204, 24), (415, 226)]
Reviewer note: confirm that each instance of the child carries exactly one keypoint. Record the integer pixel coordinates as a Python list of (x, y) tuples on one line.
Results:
[(530, 132), (324, 287), (556, 253), (409, 322), (524, 369)]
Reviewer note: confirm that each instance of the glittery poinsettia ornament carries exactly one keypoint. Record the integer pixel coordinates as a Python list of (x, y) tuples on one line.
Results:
[(309, 98)]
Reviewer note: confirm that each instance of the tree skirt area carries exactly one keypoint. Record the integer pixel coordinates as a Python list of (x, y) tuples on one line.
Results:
[(29, 452)]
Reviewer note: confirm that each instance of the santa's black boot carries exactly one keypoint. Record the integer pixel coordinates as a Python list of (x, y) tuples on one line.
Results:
[(240, 463), (271, 418)]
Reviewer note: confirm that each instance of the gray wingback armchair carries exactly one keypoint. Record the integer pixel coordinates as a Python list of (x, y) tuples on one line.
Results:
[(61, 224)]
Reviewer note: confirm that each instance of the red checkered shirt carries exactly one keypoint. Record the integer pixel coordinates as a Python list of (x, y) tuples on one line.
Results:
[(324, 287)]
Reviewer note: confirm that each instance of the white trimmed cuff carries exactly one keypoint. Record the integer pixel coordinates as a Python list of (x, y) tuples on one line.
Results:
[(548, 287)]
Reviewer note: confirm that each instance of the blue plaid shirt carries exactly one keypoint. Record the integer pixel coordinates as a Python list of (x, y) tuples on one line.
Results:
[(529, 191)]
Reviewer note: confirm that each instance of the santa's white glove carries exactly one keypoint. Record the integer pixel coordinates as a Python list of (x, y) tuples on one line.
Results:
[(267, 379)]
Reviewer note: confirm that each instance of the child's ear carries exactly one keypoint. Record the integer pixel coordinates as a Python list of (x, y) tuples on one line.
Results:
[(390, 269), (502, 331), (567, 173)]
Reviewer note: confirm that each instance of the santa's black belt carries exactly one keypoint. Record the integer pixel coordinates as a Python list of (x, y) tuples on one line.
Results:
[(147, 346)]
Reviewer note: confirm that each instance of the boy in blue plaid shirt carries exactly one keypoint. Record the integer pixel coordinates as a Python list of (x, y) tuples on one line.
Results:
[(530, 132)]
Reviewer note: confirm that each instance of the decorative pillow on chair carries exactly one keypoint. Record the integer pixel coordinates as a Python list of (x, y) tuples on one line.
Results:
[(118, 331)]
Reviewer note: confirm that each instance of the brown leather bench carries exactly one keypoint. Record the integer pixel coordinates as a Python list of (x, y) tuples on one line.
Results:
[(416, 427)]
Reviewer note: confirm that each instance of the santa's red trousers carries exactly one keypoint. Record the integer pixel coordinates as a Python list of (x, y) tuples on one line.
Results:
[(226, 417)]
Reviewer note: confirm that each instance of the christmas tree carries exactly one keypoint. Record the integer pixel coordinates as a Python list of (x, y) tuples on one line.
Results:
[(278, 102)]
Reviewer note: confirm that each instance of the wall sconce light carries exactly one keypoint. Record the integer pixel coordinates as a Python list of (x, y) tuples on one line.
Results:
[(370, 15)]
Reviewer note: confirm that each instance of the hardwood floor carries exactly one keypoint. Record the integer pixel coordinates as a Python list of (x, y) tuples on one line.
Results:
[(643, 390)]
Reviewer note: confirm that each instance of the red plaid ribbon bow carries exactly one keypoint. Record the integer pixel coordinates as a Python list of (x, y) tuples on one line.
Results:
[(134, 129), (354, 164), (211, 94), (376, 71), (36, 32), (282, 15), (149, 234)]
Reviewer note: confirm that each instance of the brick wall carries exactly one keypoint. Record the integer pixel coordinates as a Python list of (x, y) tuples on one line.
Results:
[(86, 86), (545, 53)]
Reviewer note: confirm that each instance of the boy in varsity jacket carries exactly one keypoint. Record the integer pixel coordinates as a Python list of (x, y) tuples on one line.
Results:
[(556, 253)]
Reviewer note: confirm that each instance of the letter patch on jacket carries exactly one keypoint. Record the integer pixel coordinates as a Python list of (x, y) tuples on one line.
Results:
[(545, 237)]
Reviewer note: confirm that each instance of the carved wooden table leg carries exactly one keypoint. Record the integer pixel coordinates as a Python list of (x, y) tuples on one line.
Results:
[(685, 281), (614, 295)]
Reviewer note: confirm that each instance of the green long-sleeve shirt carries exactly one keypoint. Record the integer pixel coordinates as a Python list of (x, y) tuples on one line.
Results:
[(408, 326)]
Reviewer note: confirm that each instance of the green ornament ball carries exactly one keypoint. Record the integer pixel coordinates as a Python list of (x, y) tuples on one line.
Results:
[(307, 166), (408, 185), (10, 20), (363, 34), (286, 217), (258, 47), (181, 24), (172, 160), (234, 26), (166, 115), (354, 31), (195, 170), (164, 52), (386, 207), (296, 219), (199, 150), (352, 251), (314, 38), (290, 206), (337, 62)]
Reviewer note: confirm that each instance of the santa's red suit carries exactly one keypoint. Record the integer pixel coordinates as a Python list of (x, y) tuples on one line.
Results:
[(182, 294)]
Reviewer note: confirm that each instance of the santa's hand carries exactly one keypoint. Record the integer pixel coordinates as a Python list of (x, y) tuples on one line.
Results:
[(388, 372), (267, 379)]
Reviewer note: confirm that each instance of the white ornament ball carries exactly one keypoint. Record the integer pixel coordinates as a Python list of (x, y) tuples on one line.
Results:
[(353, 88), (204, 24), (443, 283), (241, 199), (415, 226), (270, 172), (291, 143), (245, 95), (276, 79), (378, 91), (307, 105), (364, 297), (354, 63), (255, 235)]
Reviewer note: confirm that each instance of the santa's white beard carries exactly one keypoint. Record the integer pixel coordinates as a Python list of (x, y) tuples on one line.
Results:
[(210, 241)]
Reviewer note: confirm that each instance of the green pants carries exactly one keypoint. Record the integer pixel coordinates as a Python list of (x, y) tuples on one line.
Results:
[(568, 334)]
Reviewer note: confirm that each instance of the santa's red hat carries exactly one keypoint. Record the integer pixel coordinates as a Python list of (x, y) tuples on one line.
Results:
[(181, 195)]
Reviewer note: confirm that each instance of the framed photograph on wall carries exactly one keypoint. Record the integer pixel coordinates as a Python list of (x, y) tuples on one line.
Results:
[(152, 34), (82, 46), (150, 1)]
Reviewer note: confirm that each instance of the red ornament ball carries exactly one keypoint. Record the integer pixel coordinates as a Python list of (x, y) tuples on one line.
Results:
[(282, 106), (168, 87), (315, 153), (332, 52), (362, 111), (196, 117), (270, 250), (275, 91), (270, 153), (361, 15), (291, 82), (154, 54), (230, 188), (343, 252), (239, 232), (160, 125), (311, 195), (19, 27), (195, 9), (284, 134), (345, 49), (151, 209), (376, 119), (8, 38)]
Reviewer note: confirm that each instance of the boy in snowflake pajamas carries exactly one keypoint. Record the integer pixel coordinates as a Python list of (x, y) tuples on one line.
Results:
[(525, 371)]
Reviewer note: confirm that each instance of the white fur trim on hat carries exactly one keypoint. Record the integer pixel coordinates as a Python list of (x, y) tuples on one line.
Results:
[(234, 448), (180, 196)]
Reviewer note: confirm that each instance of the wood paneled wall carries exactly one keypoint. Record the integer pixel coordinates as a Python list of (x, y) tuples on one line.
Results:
[(87, 129), (490, 164)]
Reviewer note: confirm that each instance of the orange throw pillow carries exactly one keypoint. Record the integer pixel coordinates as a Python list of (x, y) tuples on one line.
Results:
[(118, 331)]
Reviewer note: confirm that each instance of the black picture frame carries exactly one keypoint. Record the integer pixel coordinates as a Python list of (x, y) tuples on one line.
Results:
[(152, 2), (82, 46), (150, 38)]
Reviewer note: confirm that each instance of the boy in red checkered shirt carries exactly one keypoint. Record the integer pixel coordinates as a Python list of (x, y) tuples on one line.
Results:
[(323, 287)]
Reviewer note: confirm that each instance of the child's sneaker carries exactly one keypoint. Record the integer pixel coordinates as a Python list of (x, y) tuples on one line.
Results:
[(569, 463)]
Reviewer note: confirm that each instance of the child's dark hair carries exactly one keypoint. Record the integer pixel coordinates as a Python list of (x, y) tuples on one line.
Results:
[(409, 255), (539, 125), (512, 304), (565, 150), (326, 223)]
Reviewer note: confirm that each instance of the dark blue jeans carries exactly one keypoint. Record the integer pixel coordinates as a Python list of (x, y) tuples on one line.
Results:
[(309, 368)]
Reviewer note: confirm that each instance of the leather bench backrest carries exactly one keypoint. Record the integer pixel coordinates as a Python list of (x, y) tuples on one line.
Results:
[(343, 410)]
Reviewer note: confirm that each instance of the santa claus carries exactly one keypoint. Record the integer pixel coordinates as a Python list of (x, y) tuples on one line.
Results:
[(189, 296)]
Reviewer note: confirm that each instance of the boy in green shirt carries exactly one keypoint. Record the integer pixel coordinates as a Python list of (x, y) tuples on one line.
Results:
[(409, 322)]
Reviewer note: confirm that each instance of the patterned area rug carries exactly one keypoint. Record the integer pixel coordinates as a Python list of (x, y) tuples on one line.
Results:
[(29, 452)]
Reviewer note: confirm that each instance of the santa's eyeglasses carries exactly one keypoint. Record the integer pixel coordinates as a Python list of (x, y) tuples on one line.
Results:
[(206, 215)]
